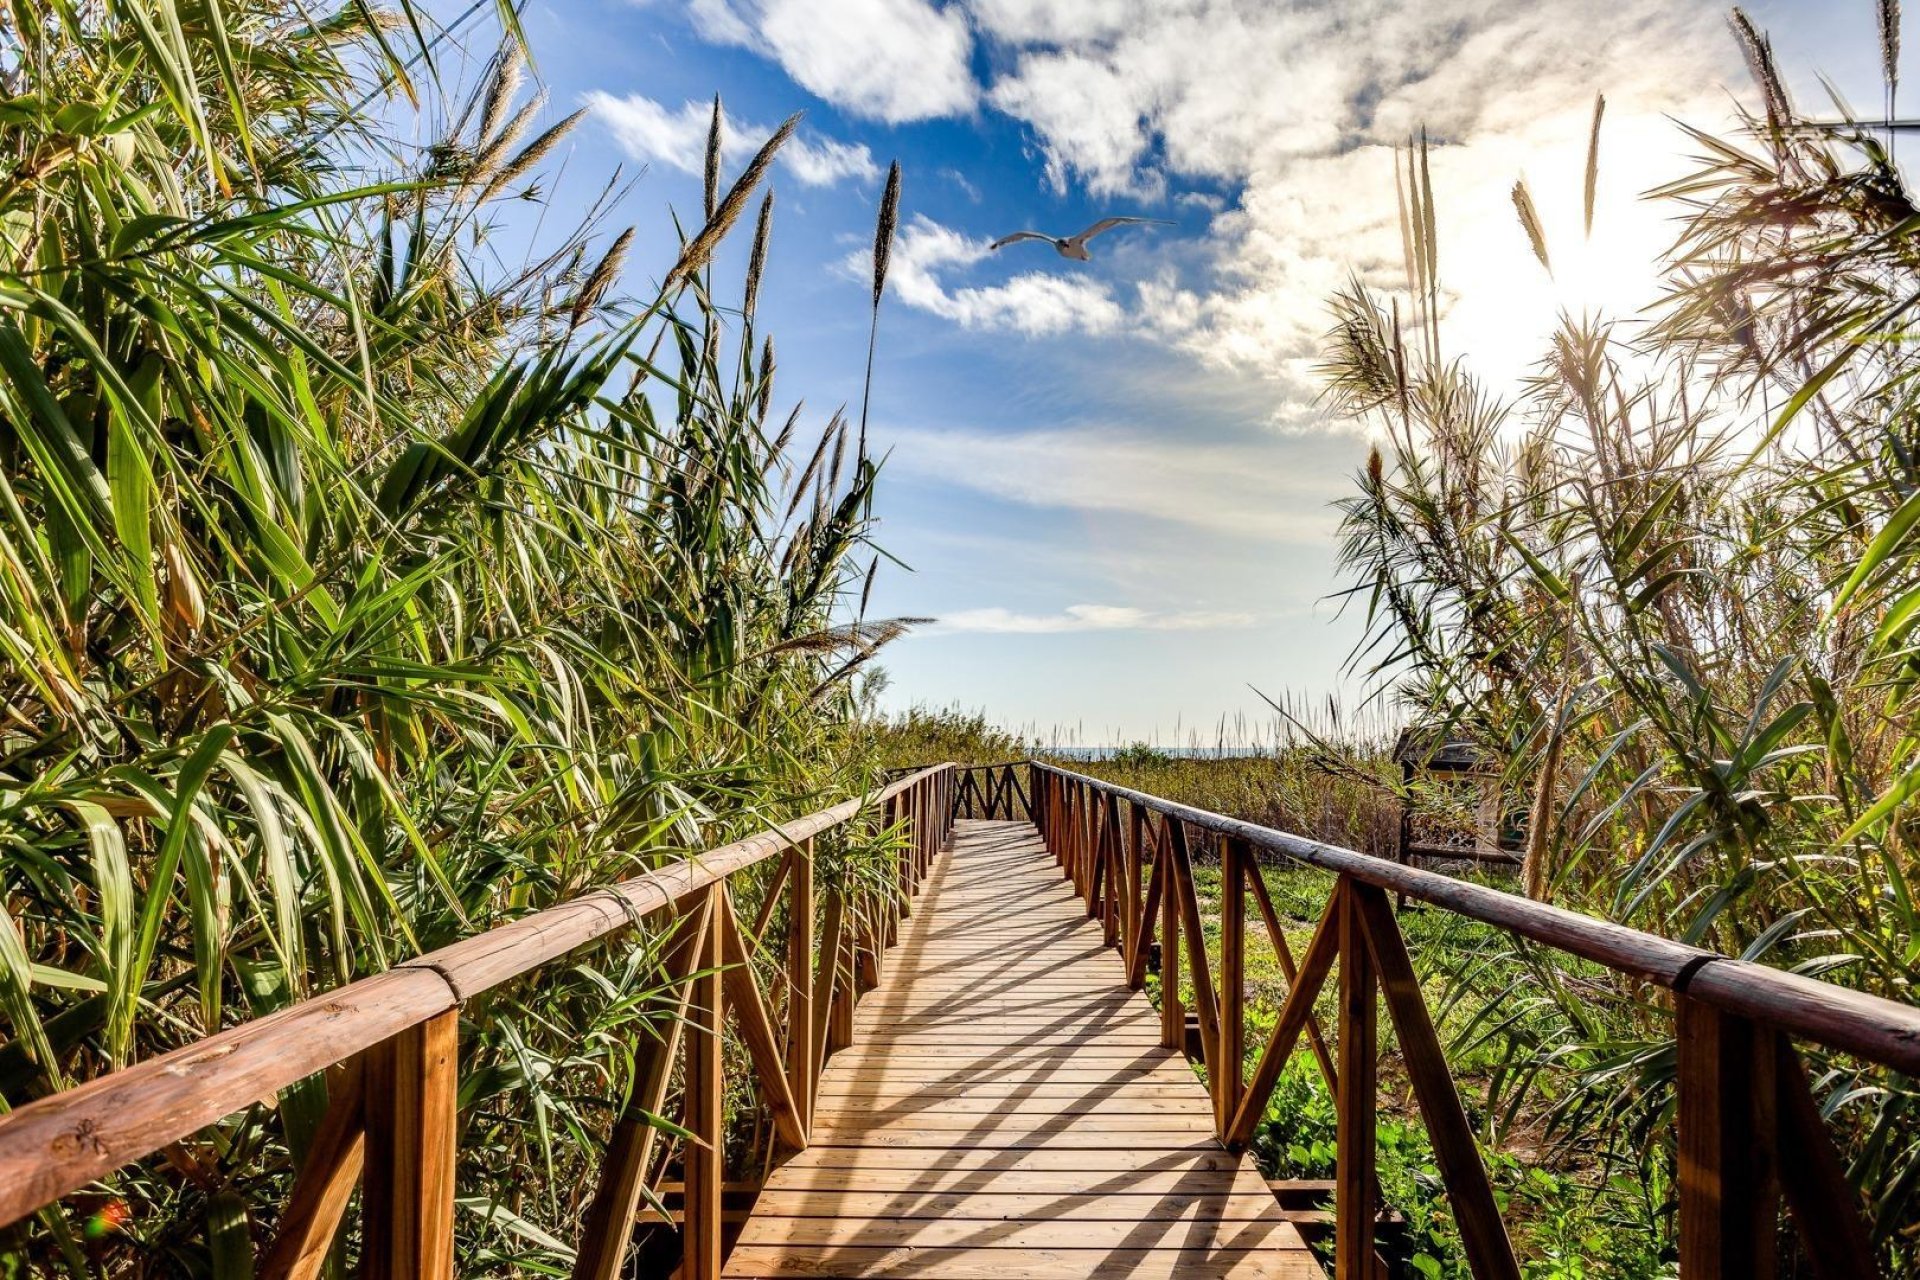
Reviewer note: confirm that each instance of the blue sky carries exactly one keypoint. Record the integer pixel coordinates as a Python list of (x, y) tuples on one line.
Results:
[(1110, 479)]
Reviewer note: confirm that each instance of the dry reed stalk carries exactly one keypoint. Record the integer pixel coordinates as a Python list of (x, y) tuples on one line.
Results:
[(1530, 223), (712, 188), (757, 259), (699, 250), (599, 279), (1593, 156), (883, 231)]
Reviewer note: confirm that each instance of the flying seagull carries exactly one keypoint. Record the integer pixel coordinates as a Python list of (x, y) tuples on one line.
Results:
[(1075, 247)]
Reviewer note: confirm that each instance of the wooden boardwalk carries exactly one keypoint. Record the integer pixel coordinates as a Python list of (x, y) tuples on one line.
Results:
[(1007, 1111)]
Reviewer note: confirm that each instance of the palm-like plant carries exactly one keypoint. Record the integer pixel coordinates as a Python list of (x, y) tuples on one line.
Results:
[(1672, 585)]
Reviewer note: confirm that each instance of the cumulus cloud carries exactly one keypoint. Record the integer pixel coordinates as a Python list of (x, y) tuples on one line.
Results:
[(1299, 108), (1293, 109), (1085, 617), (650, 130), (1033, 302), (893, 60)]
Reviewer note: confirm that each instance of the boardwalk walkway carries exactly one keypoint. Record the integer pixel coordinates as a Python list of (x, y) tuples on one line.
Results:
[(1007, 1112)]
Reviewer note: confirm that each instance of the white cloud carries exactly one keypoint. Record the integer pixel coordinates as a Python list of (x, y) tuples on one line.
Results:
[(677, 137), (1298, 108), (1260, 488), (1084, 617), (1033, 302), (893, 60), (825, 162), (1293, 109)]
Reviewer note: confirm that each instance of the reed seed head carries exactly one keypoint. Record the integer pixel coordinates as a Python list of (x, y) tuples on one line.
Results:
[(883, 231), (713, 159)]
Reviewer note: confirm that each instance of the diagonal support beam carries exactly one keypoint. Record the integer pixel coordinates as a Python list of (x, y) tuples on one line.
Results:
[(1295, 1015), (323, 1188), (1288, 967), (756, 1030), (609, 1222)]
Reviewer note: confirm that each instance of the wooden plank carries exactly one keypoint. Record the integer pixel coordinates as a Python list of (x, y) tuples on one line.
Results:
[(411, 1096), (1021, 1264), (842, 1092), (1007, 1107), (1041, 1123), (843, 1109), (1197, 1230), (1198, 1155), (1169, 1202), (1122, 1139), (1135, 1186)]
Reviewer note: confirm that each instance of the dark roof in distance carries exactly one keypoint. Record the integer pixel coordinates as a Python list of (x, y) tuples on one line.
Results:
[(1432, 747)]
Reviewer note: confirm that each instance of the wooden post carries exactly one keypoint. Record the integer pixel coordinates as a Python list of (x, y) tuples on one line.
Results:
[(1136, 829), (705, 1113), (1729, 1185), (1148, 909), (1204, 1002), (1096, 854), (906, 867), (1355, 1196), (1173, 1017), (802, 1048), (1235, 857), (1112, 907), (826, 978), (411, 1100), (839, 1002)]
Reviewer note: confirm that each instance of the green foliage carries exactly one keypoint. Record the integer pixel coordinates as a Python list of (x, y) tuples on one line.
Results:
[(358, 592), (926, 735), (1670, 587)]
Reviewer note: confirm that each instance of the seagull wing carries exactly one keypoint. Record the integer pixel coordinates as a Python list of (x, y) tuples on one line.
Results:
[(1004, 241), (1108, 224)]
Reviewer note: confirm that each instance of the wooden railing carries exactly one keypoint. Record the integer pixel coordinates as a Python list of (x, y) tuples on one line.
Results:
[(1750, 1133), (993, 791), (387, 1044)]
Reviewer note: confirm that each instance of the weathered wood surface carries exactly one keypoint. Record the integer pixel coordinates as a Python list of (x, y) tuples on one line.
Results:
[(1008, 1110)]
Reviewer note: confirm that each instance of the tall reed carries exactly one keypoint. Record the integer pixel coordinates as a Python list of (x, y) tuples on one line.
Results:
[(358, 592)]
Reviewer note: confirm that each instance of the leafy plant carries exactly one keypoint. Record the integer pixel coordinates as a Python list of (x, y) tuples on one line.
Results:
[(358, 592)]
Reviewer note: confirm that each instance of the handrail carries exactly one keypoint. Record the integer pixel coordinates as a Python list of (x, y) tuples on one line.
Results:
[(1881, 1030), (1749, 1135), (399, 1020)]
